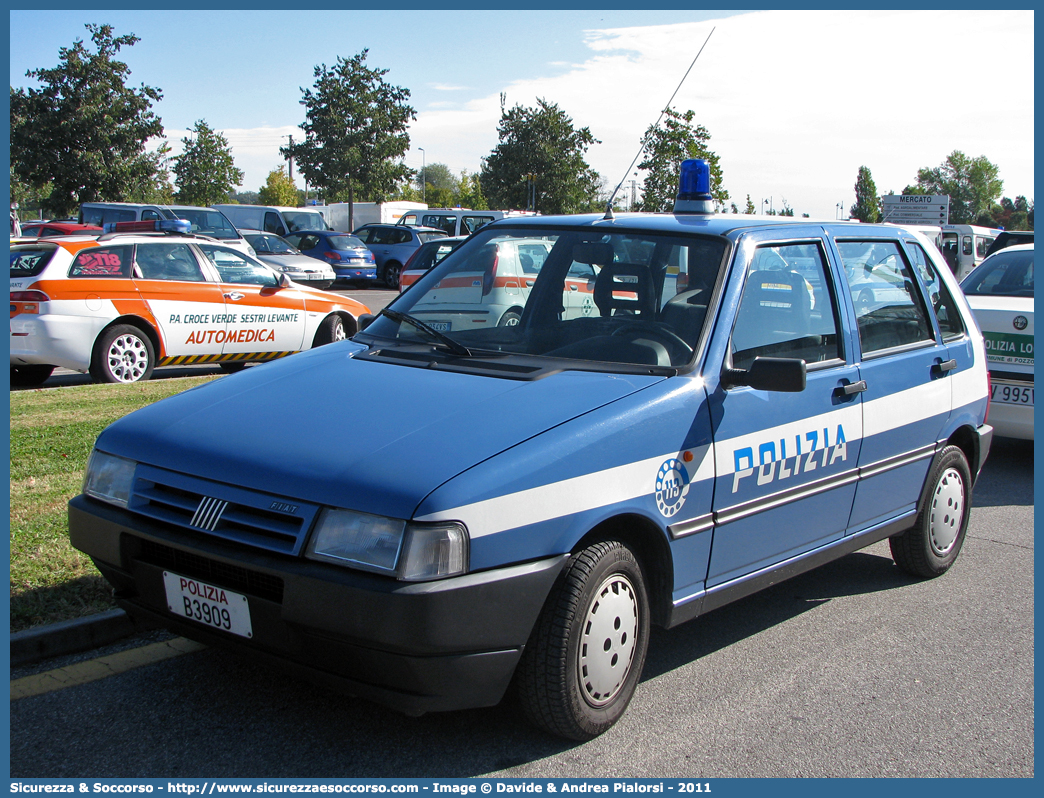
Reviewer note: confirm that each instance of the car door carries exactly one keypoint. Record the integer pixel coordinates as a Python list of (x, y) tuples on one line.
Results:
[(261, 315), (189, 310), (906, 369), (785, 463)]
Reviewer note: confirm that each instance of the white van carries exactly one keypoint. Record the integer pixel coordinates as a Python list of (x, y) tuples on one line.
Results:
[(204, 221), (455, 221), (964, 246), (276, 219)]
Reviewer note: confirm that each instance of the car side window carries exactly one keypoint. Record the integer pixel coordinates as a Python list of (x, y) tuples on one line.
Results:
[(149, 216), (888, 307), (233, 267), (472, 223), (167, 262), (403, 236), (103, 262), (363, 235), (787, 308), (304, 242), (938, 294), (273, 224)]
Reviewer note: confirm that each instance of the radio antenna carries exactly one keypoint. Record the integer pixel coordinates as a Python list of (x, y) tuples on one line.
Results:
[(609, 207)]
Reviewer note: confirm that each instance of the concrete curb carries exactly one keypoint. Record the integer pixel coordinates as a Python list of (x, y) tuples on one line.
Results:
[(69, 637)]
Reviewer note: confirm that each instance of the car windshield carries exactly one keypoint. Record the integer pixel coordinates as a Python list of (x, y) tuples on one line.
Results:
[(583, 295), (305, 220), (1008, 273), (29, 261), (278, 246), (345, 242), (208, 223)]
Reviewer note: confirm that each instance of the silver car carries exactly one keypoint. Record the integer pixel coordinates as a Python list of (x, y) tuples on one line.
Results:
[(278, 252)]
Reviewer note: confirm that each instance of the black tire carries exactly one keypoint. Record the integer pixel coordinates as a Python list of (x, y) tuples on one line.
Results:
[(510, 319), (931, 545), (566, 686), (330, 331), (232, 366), (30, 376), (122, 353), (392, 273)]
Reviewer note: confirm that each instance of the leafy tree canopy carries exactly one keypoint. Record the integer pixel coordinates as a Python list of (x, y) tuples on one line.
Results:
[(471, 192), (438, 175), (867, 206), (667, 144), (540, 150), (355, 132), (206, 173), (971, 184), (278, 189), (84, 130)]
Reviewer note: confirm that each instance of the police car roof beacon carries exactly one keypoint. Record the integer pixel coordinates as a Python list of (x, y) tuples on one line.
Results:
[(694, 189)]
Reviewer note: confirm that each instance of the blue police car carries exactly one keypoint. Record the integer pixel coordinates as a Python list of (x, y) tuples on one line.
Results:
[(692, 407)]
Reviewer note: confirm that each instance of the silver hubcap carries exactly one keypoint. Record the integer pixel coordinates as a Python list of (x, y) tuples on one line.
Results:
[(607, 643), (128, 358), (947, 511), (338, 331)]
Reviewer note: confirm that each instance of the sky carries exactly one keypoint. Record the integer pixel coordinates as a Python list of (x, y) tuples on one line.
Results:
[(794, 101)]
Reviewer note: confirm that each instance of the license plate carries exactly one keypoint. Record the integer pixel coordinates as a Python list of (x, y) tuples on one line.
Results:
[(1012, 394), (208, 604), (440, 326)]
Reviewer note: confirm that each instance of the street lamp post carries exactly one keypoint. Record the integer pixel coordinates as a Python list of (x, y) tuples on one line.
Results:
[(423, 185)]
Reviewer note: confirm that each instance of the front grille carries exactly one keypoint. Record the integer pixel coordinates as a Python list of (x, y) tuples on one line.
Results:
[(233, 577), (259, 520)]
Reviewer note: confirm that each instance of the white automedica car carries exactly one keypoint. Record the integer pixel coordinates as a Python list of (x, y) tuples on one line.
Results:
[(278, 252), (1000, 292), (125, 302)]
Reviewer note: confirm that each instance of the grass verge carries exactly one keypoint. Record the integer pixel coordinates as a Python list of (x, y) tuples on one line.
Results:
[(52, 432)]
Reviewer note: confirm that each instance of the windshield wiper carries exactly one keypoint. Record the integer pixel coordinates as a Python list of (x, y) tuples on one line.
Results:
[(445, 340)]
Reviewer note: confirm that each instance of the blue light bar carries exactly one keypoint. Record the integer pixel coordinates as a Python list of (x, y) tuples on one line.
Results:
[(694, 190), (158, 226)]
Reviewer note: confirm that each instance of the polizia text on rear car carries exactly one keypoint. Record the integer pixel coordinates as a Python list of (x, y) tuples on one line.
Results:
[(688, 408)]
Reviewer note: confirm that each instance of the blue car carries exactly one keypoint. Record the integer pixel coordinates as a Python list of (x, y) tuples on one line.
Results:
[(350, 258), (686, 408)]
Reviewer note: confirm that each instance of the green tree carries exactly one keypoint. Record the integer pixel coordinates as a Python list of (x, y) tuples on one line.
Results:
[(867, 206), (84, 131), (470, 194), (205, 171), (540, 152), (749, 207), (355, 133), (971, 184), (437, 176), (666, 145), (278, 189)]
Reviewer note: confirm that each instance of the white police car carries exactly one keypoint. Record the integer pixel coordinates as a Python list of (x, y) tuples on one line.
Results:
[(725, 418)]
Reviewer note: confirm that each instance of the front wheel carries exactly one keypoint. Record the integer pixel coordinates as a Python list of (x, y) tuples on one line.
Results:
[(392, 271), (122, 354), (330, 331), (932, 544), (585, 656), (510, 319)]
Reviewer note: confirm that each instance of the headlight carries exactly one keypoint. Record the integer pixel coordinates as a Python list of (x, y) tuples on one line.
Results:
[(411, 552), (109, 478)]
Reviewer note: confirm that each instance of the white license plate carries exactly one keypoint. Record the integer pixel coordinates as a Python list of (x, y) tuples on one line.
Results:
[(1004, 394), (441, 326), (208, 604)]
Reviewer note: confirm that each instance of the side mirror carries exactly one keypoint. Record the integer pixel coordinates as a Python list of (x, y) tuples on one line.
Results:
[(284, 281), (782, 374), (365, 320)]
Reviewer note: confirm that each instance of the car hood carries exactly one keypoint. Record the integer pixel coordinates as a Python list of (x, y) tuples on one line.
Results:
[(324, 427), (295, 262)]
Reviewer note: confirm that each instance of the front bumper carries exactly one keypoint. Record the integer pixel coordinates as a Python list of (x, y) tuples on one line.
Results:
[(416, 647)]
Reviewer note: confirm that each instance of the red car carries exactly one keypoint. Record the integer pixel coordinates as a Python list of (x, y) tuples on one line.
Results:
[(47, 229)]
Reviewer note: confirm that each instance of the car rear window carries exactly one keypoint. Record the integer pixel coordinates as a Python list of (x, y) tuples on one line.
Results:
[(430, 236), (103, 262), (1008, 273), (29, 261), (344, 242)]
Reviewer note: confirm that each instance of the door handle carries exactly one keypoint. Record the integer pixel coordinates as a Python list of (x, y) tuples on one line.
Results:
[(852, 388), (945, 366), (235, 296)]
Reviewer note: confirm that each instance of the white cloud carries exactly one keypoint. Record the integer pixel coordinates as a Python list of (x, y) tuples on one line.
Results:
[(447, 87)]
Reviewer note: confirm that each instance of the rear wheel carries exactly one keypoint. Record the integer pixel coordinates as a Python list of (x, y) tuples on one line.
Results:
[(932, 544), (232, 366), (122, 354), (330, 331), (510, 319), (30, 376), (392, 271), (583, 660)]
